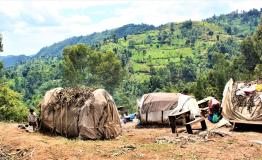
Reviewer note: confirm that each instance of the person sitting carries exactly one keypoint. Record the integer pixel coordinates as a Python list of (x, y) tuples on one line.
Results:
[(214, 111), (32, 119)]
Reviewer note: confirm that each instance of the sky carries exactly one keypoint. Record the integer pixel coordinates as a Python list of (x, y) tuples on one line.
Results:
[(27, 26)]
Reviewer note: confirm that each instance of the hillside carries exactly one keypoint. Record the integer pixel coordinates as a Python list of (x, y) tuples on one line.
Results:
[(235, 23), (56, 49), (11, 60), (153, 50), (238, 23), (187, 89), (173, 57)]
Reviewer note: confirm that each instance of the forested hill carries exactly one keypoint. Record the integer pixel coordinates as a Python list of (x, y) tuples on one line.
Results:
[(12, 60), (129, 29), (194, 56), (238, 23)]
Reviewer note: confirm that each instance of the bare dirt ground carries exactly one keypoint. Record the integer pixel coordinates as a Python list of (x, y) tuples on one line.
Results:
[(143, 143)]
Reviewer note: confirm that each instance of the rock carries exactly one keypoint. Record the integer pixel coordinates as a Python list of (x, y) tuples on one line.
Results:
[(21, 126), (203, 134), (256, 141)]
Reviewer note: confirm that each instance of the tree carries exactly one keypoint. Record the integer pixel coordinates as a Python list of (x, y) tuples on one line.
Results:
[(258, 70), (82, 66), (1, 44), (217, 37), (75, 59), (228, 30), (108, 70), (258, 42), (187, 24), (11, 104), (148, 39), (114, 38), (219, 75), (125, 37), (251, 49), (237, 68), (211, 33), (156, 83), (174, 72), (187, 70), (1, 50), (248, 50), (131, 44), (1, 66), (172, 27), (200, 86)]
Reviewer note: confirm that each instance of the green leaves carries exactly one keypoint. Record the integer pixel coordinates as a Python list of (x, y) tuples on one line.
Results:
[(248, 50), (11, 105), (1, 44), (84, 66), (75, 59), (251, 49)]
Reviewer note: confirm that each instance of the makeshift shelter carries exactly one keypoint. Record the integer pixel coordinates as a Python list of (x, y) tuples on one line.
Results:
[(242, 101), (78, 112), (122, 111), (156, 107)]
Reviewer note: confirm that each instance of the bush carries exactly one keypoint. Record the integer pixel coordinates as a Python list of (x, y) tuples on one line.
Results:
[(11, 105)]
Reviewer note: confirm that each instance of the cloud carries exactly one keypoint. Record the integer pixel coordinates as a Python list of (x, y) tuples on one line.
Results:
[(29, 25)]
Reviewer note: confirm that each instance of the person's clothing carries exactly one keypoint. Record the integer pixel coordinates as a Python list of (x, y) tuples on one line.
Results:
[(214, 111), (214, 118), (214, 106), (34, 124), (32, 117)]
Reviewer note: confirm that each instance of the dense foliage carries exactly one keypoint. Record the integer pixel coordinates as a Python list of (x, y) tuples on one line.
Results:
[(1, 45), (238, 23), (11, 104), (11, 60), (85, 66)]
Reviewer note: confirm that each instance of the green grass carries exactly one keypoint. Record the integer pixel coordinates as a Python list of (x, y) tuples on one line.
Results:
[(159, 56), (184, 52), (141, 67), (140, 77)]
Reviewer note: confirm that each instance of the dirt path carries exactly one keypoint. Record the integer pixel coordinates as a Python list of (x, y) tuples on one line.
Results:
[(132, 144)]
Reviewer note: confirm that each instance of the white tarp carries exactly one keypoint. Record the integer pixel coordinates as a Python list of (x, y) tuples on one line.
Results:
[(160, 105), (187, 103)]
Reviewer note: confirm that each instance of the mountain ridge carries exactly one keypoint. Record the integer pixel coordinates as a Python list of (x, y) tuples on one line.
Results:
[(245, 20), (12, 60), (129, 29)]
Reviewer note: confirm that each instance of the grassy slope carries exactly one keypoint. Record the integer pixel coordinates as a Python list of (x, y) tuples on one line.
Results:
[(46, 74), (160, 56)]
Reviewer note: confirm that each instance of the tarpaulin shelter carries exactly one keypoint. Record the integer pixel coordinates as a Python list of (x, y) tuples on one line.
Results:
[(242, 101), (156, 107), (80, 112)]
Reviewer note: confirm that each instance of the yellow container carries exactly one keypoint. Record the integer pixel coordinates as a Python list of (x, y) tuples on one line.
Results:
[(259, 87)]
